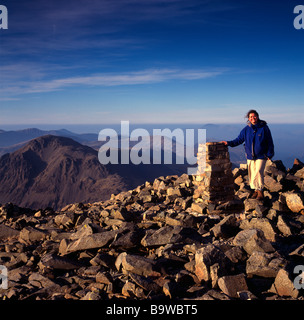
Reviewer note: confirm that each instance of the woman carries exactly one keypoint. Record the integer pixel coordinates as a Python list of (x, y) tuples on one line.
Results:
[(259, 147)]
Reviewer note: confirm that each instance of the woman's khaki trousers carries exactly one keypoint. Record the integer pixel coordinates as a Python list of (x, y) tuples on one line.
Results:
[(256, 173)]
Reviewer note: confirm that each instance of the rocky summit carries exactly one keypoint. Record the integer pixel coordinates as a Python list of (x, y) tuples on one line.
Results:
[(161, 241)]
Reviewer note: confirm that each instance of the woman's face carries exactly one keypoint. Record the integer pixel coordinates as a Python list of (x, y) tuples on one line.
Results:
[(253, 118)]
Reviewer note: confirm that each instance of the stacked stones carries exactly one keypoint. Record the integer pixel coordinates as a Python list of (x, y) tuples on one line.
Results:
[(214, 178)]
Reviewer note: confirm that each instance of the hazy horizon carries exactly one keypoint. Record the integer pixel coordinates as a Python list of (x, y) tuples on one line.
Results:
[(288, 138), (95, 128)]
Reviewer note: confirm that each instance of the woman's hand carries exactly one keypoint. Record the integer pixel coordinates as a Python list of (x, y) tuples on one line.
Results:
[(224, 142)]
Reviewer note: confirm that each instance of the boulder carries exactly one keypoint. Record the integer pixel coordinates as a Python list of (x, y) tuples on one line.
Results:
[(29, 235), (139, 265), (271, 184), (54, 261), (7, 232), (294, 201), (284, 286), (206, 257), (253, 240), (232, 285), (226, 228), (96, 240), (264, 264), (263, 224)]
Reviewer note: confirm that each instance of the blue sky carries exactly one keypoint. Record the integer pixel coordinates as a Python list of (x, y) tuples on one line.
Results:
[(150, 61)]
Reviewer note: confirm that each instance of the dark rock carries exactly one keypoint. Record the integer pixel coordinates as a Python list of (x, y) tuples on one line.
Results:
[(265, 265), (56, 262), (7, 232), (128, 240), (146, 283), (272, 185), (236, 254), (283, 226), (263, 224), (251, 204), (206, 257), (103, 259), (168, 234), (226, 228), (139, 265), (29, 235), (253, 240)]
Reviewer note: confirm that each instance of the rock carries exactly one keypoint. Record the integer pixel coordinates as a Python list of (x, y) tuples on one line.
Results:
[(283, 226), (226, 228), (284, 286), (265, 265), (198, 207), (91, 296), (128, 240), (7, 232), (263, 224), (29, 235), (103, 259), (271, 184), (146, 283), (38, 280), (246, 295), (139, 265), (231, 285), (215, 295), (172, 289), (299, 252), (251, 204), (294, 201), (104, 277), (236, 254), (56, 262), (300, 173), (67, 219), (253, 240), (96, 240), (168, 234), (128, 290), (206, 257), (84, 230), (162, 236)]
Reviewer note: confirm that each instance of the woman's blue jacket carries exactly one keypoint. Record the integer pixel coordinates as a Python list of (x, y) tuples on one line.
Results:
[(258, 141)]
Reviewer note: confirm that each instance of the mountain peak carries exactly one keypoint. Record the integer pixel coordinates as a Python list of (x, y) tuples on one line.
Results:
[(53, 171)]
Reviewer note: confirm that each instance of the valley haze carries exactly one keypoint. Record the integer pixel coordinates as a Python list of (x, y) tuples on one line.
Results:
[(288, 138)]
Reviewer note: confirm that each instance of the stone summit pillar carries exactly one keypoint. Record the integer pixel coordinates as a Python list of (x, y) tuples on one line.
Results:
[(215, 180)]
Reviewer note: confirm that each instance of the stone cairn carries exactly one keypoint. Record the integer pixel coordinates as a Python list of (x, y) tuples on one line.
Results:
[(214, 179)]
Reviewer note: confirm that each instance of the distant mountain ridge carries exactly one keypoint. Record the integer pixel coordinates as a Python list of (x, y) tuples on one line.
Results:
[(11, 138), (55, 171)]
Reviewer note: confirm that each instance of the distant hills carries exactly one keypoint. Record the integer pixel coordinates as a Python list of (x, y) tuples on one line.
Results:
[(13, 140), (40, 168), (55, 171)]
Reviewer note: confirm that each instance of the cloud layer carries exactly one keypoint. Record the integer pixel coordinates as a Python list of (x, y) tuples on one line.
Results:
[(17, 85)]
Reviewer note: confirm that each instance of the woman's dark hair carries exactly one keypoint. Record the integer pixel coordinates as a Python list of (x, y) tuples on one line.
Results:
[(252, 111), (255, 112)]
